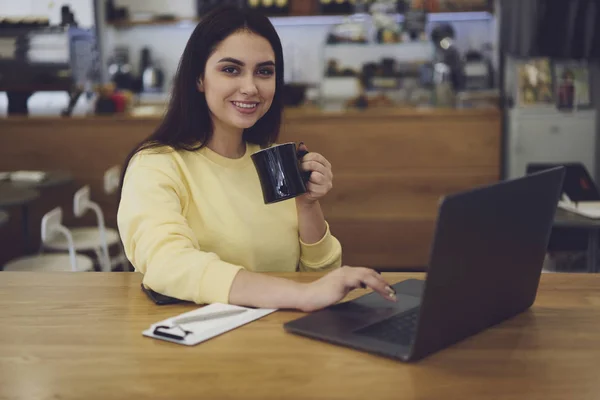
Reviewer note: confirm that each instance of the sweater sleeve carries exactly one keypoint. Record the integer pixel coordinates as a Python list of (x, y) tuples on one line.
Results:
[(158, 240), (324, 255)]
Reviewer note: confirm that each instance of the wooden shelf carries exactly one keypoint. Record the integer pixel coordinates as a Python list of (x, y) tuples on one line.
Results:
[(158, 22), (302, 20)]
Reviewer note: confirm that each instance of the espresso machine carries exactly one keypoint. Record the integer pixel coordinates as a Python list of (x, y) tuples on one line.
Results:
[(36, 58), (448, 69)]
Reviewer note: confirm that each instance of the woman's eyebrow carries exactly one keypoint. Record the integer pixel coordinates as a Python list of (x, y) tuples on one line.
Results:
[(266, 64), (241, 63)]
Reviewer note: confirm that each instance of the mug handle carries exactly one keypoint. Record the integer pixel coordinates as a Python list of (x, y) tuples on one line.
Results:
[(305, 174)]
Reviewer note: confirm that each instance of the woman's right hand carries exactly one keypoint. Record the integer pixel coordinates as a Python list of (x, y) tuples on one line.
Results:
[(334, 286)]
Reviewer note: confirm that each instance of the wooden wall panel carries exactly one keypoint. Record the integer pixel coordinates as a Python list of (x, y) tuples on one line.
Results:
[(390, 169), (401, 195), (385, 244), (363, 143)]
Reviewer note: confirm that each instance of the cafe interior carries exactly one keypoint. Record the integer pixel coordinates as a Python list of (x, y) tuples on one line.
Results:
[(410, 101)]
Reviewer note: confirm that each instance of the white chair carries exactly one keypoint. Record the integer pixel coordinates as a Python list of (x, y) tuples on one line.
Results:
[(95, 238), (52, 227), (112, 179)]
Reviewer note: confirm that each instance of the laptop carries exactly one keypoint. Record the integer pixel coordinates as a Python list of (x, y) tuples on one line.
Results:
[(484, 267), (578, 184)]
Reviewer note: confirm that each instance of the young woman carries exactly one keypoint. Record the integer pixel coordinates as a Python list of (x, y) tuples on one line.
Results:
[(191, 215)]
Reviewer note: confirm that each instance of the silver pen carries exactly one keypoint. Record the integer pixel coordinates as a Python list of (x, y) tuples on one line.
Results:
[(207, 316)]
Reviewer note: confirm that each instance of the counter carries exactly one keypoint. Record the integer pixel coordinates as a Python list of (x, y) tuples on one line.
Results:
[(390, 166)]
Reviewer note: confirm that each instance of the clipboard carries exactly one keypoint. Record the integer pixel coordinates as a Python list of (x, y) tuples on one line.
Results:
[(193, 333)]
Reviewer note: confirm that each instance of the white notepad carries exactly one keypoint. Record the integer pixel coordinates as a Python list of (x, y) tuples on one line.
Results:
[(200, 331), (590, 209)]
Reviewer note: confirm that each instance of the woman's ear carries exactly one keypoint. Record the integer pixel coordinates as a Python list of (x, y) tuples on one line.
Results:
[(200, 85)]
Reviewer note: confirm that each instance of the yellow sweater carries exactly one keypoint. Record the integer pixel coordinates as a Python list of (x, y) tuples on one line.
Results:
[(189, 221)]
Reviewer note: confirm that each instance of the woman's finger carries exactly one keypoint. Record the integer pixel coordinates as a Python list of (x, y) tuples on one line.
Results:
[(316, 190), (378, 276), (318, 178), (320, 159), (316, 157), (378, 286), (373, 280), (314, 166)]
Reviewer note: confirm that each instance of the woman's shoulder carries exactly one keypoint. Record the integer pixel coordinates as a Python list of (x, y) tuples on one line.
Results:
[(151, 150), (159, 157)]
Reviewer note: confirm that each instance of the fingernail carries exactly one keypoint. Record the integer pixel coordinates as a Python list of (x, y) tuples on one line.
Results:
[(391, 292)]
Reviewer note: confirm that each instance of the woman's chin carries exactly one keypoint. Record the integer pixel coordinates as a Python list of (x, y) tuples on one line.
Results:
[(244, 123)]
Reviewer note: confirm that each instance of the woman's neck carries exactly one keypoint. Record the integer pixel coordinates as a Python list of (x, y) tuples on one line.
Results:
[(227, 142)]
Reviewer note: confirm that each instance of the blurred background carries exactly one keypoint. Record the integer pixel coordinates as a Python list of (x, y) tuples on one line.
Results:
[(409, 99)]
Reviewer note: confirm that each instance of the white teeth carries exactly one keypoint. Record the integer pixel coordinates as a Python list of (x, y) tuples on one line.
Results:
[(244, 105)]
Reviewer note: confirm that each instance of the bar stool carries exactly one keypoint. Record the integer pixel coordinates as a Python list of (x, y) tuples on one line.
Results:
[(51, 227), (95, 238)]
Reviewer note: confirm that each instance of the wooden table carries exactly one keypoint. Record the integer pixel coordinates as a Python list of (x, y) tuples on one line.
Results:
[(11, 196), (52, 179), (78, 336), (23, 193), (566, 219)]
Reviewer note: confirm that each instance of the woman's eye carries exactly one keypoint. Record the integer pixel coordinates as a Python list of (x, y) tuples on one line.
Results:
[(230, 70), (265, 72)]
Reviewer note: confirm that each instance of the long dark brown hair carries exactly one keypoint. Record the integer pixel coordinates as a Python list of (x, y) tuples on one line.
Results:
[(187, 124)]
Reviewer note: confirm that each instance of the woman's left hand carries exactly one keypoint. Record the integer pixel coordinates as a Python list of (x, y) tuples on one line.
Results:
[(321, 177)]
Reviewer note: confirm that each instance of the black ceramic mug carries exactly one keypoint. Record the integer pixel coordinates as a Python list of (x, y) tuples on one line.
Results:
[(278, 169)]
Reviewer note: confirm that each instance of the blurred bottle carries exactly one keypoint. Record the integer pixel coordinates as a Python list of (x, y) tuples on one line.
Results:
[(67, 18), (152, 74), (443, 92), (120, 70)]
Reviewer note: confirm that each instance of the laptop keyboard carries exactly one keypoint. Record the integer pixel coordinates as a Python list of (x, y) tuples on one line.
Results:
[(398, 329)]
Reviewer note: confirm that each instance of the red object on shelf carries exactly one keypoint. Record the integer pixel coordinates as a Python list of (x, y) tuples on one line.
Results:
[(119, 100)]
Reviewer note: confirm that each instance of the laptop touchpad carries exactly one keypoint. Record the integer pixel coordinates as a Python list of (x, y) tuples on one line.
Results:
[(343, 318)]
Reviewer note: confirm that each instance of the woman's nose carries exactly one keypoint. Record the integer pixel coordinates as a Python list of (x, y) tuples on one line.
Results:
[(249, 87)]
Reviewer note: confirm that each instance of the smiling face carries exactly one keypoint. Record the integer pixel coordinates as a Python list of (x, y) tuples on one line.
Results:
[(239, 81)]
